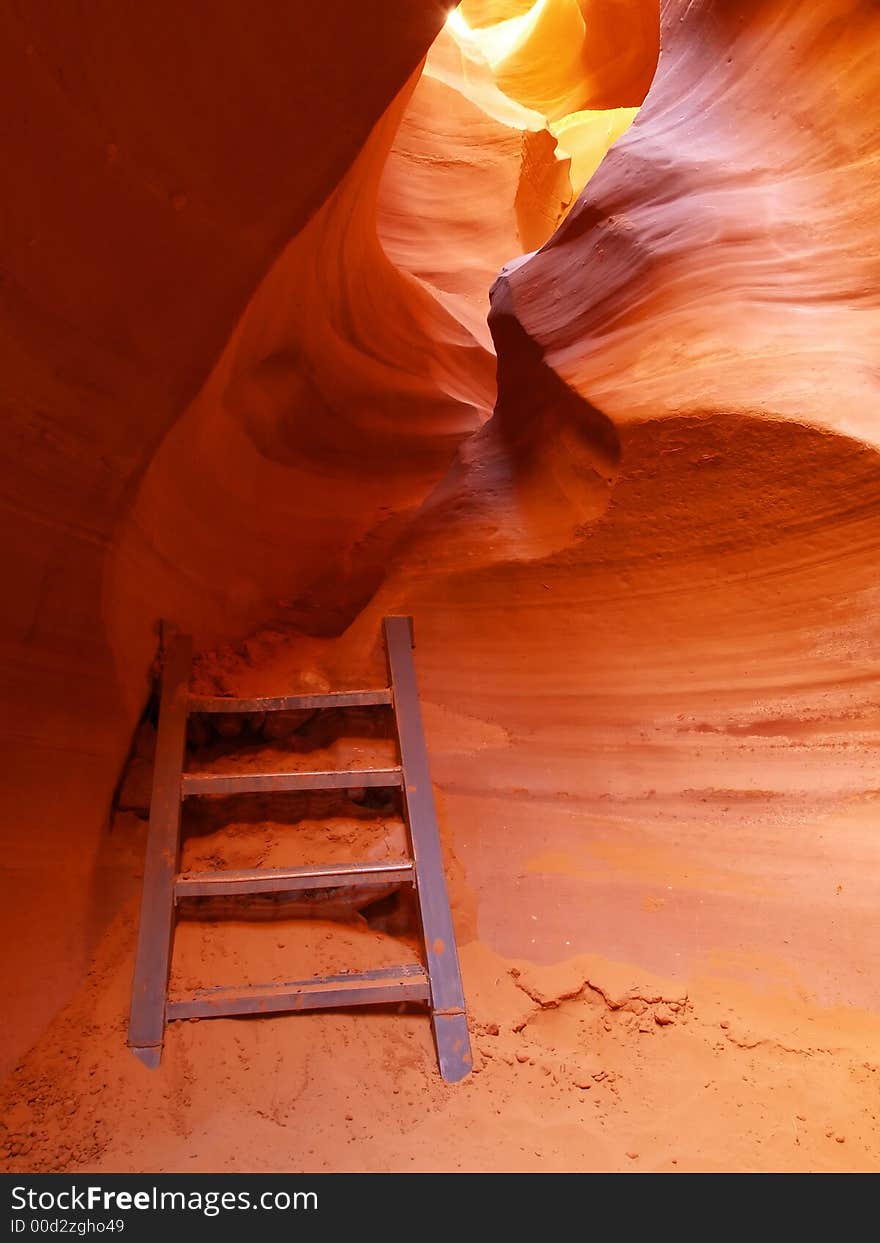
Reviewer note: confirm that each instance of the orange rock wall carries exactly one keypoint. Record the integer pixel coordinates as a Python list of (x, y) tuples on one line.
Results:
[(667, 602), (156, 165)]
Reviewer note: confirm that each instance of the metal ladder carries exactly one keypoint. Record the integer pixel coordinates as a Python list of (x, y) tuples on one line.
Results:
[(437, 982)]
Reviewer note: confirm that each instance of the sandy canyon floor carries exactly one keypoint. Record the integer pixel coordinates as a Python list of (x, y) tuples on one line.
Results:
[(581, 1063)]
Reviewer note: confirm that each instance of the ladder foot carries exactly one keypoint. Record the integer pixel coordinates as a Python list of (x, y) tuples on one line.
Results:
[(150, 1055), (453, 1046)]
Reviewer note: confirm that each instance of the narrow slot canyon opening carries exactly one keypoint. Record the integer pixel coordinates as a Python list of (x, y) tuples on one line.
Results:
[(546, 324), (508, 120)]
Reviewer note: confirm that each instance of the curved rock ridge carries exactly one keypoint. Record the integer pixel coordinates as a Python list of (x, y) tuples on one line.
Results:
[(724, 256)]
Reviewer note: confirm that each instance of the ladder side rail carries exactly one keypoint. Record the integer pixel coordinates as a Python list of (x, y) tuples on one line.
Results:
[(447, 994), (153, 960)]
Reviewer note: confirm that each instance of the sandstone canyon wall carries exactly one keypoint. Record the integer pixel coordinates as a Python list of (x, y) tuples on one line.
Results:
[(155, 168), (693, 672)]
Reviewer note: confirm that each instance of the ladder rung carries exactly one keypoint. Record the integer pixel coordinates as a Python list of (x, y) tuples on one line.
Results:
[(291, 880), (388, 984), (252, 783), (291, 703)]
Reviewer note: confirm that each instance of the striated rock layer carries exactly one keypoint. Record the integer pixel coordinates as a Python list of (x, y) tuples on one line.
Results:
[(725, 256)]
